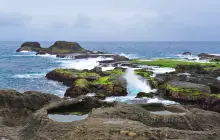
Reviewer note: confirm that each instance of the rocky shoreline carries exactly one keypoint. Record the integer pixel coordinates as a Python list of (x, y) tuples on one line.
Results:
[(28, 119), (193, 85)]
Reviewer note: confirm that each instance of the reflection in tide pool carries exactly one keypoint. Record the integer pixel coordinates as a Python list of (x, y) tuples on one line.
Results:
[(66, 118)]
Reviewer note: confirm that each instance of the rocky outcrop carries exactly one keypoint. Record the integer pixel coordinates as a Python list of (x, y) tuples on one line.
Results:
[(205, 56), (107, 83), (15, 109), (30, 46), (192, 69), (122, 121), (59, 47), (106, 120), (191, 85)]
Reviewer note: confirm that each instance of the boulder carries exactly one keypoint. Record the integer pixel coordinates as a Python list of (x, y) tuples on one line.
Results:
[(188, 87), (68, 76), (30, 46), (15, 107), (80, 87), (120, 58), (192, 69)]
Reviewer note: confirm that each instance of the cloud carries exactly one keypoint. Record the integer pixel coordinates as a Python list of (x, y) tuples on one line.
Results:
[(13, 19), (110, 20)]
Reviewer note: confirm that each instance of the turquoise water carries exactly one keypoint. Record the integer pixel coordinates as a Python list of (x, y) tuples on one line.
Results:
[(26, 71)]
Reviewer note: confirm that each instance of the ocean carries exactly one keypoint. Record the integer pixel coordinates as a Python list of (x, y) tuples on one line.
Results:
[(26, 71)]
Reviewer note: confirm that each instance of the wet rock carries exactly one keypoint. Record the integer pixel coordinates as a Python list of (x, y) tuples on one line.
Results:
[(143, 94)]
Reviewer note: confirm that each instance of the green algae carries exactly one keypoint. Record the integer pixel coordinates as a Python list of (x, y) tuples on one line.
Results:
[(172, 63), (191, 91), (82, 83)]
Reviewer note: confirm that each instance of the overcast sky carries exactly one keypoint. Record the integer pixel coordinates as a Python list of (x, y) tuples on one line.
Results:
[(110, 20)]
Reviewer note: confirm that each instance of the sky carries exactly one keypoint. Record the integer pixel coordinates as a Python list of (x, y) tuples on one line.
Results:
[(110, 20)]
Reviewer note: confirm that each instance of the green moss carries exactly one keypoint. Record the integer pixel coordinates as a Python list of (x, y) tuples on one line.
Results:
[(188, 91), (117, 71), (77, 73), (81, 83), (103, 81), (63, 71), (143, 73), (172, 63)]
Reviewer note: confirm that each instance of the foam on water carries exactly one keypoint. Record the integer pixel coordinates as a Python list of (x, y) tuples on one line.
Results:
[(47, 55), (159, 70), (189, 57), (130, 56), (29, 76), (81, 64)]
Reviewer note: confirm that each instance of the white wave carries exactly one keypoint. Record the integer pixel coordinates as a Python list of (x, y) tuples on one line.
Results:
[(27, 52), (130, 56), (133, 100), (47, 55), (158, 70), (29, 76), (189, 57), (81, 64), (135, 84), (107, 68), (215, 54)]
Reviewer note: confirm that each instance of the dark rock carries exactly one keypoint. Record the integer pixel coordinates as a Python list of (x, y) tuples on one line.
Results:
[(117, 121), (15, 107), (187, 53), (29, 46), (205, 56), (120, 58), (192, 69), (143, 94), (189, 86)]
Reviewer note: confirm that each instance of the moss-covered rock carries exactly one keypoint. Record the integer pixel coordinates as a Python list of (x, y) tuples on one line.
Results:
[(147, 75), (81, 82), (68, 76), (30, 46), (172, 63), (64, 47), (79, 87), (59, 47)]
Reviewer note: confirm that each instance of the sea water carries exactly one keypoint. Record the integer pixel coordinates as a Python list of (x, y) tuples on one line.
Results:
[(26, 71)]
